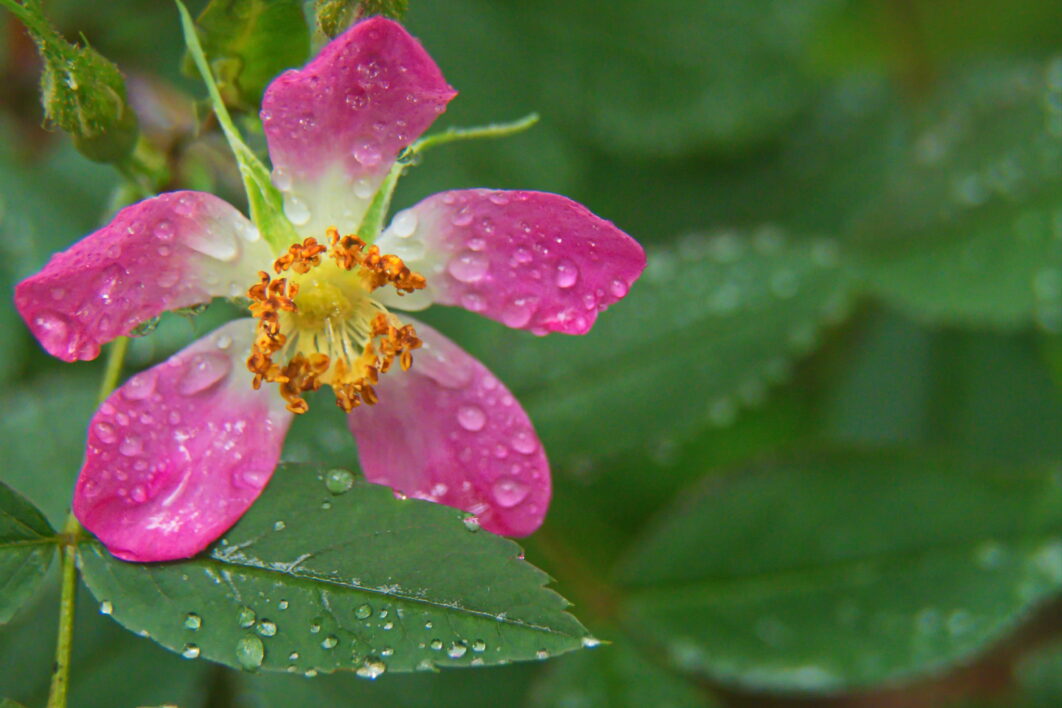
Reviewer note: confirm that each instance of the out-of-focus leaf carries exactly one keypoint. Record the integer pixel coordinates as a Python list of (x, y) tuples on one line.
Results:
[(1040, 677), (678, 77), (969, 230), (326, 573), (708, 329), (27, 545), (249, 42), (42, 434), (845, 569), (107, 662), (614, 676), (500, 686)]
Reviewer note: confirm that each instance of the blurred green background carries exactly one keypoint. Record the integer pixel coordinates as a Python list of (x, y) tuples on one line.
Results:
[(814, 458)]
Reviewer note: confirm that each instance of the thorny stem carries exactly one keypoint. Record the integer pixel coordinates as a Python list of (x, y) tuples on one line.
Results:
[(68, 541)]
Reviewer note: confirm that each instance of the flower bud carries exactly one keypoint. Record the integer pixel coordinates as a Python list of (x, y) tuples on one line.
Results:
[(84, 94)]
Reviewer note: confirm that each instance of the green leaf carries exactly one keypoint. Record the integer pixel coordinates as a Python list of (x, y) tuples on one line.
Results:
[(615, 676), (8, 703), (1040, 676), (27, 545), (969, 230), (699, 76), (845, 569), (708, 329), (320, 577), (251, 41), (42, 434)]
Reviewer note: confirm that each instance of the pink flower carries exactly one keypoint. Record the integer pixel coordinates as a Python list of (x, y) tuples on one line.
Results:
[(179, 452)]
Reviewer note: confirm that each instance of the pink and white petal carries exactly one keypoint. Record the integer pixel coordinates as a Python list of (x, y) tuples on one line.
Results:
[(179, 452), (530, 260), (174, 250), (336, 126), (447, 430)]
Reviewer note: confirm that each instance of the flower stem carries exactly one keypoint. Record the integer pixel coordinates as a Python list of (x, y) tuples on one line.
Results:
[(69, 540)]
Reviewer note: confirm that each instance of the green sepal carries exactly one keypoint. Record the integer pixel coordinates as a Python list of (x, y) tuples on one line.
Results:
[(266, 205)]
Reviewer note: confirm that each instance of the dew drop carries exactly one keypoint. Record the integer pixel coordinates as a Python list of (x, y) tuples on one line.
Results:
[(293, 656), (266, 628), (468, 267), (246, 617), (591, 642), (329, 642), (517, 313), (106, 607), (281, 179), (541, 654), (338, 481), (163, 230), (524, 442), (371, 669), (296, 210), (204, 371), (140, 386), (362, 189), (363, 612), (282, 605), (223, 342), (52, 330), (404, 224), (190, 651), (479, 646), (368, 153), (131, 446), (462, 217), (106, 432), (473, 302), (567, 274), (471, 522), (219, 244), (436, 644), (509, 492), (315, 625), (471, 418), (250, 652), (138, 494), (456, 650)]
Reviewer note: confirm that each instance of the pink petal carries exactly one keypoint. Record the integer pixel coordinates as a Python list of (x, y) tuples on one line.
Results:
[(171, 251), (447, 430), (335, 127), (179, 452), (530, 260)]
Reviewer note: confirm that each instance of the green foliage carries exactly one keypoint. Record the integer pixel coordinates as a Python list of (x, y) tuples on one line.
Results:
[(969, 227), (27, 545), (896, 582), (321, 576), (249, 42)]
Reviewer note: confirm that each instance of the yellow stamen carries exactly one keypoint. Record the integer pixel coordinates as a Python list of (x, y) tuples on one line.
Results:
[(325, 324)]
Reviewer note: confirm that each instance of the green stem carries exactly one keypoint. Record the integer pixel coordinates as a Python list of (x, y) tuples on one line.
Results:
[(69, 539), (494, 130)]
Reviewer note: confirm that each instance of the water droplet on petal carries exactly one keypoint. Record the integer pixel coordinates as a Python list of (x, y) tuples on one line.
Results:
[(250, 652), (404, 223), (164, 230), (518, 312), (567, 274), (140, 386), (296, 210), (203, 371), (53, 330), (218, 243), (362, 189), (471, 418), (138, 494), (473, 302), (468, 267), (509, 492), (618, 288), (131, 446), (281, 179), (525, 442), (106, 432)]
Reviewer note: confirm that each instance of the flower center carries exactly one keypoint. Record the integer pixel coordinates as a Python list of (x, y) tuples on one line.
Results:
[(322, 324)]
